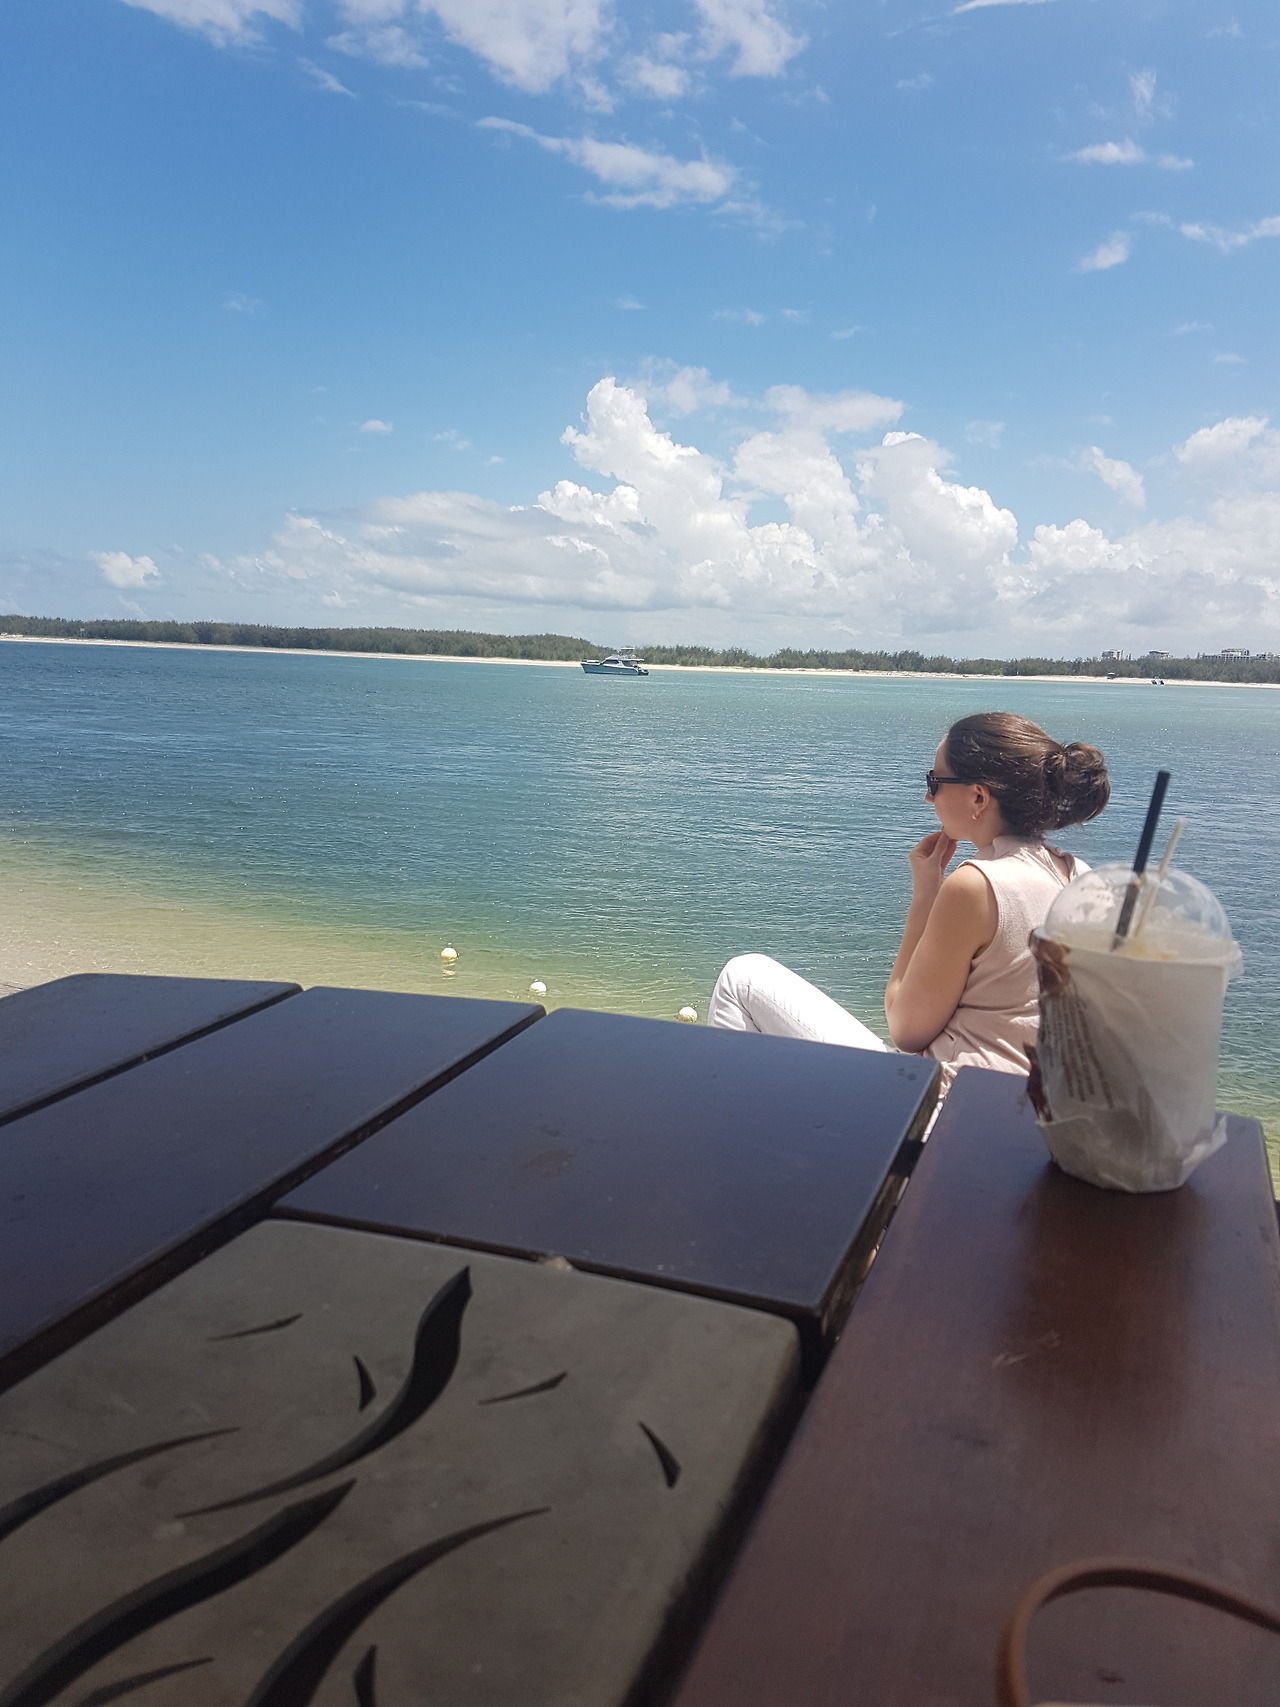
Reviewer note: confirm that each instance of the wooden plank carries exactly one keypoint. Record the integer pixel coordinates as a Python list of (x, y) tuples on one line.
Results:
[(159, 1164), (59, 1037), (602, 1431), (1037, 1370), (749, 1168)]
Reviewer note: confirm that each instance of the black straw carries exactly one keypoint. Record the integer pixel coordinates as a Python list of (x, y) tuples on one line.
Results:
[(1140, 858)]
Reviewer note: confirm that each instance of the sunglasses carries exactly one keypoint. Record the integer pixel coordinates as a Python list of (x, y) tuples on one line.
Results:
[(933, 782)]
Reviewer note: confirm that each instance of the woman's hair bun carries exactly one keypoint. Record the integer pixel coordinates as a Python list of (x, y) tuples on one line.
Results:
[(1038, 785), (1085, 787)]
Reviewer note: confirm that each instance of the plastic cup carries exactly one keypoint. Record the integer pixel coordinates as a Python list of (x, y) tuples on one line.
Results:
[(1127, 1060)]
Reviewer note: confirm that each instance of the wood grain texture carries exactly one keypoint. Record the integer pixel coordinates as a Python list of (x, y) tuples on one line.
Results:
[(56, 1038), (122, 1184), (744, 1167), (1036, 1370)]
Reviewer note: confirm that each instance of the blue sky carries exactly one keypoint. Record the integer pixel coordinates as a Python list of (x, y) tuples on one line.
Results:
[(729, 321)]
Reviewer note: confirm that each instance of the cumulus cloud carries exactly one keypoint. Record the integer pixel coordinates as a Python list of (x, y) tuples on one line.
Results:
[(1122, 479), (239, 303), (1113, 252), (684, 390), (877, 538), (1228, 241), (759, 41), (121, 570), (224, 21), (632, 176), (376, 426), (384, 44)]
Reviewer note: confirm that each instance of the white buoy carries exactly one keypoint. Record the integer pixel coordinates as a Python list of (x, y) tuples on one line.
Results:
[(537, 988), (688, 1015), (448, 954)]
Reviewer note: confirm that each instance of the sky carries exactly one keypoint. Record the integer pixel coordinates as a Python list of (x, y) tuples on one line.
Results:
[(870, 323)]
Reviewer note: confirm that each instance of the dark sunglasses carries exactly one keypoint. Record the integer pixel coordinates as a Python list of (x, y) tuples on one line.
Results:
[(933, 782)]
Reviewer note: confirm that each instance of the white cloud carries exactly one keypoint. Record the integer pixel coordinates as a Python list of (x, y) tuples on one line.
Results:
[(832, 412), (325, 79), (121, 570), (529, 44), (761, 42), (1228, 358), (1142, 85), (988, 433), (1128, 153), (1242, 450), (883, 543), (921, 80), (224, 21), (1227, 241), (384, 44), (980, 5), (1120, 477), (740, 316), (1114, 252), (630, 304), (375, 426), (633, 176), (846, 332), (239, 303), (1188, 326), (682, 390), (661, 78)]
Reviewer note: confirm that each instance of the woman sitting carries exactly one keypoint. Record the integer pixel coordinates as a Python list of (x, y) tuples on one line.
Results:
[(963, 988)]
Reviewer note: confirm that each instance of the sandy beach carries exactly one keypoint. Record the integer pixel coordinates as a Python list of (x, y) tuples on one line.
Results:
[(657, 669)]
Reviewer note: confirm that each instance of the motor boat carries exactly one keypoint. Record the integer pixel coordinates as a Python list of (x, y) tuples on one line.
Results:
[(623, 663)]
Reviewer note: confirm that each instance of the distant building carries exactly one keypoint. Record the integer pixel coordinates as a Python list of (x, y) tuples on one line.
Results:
[(1159, 654), (1112, 656), (1235, 652)]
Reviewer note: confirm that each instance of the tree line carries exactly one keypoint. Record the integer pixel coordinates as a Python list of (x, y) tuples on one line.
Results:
[(464, 643)]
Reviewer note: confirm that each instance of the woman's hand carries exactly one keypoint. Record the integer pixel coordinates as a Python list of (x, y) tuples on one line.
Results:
[(929, 860)]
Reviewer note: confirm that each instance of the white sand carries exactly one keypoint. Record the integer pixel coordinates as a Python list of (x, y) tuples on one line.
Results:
[(571, 664)]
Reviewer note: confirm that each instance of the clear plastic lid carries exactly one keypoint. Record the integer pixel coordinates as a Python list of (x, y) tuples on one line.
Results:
[(1174, 919)]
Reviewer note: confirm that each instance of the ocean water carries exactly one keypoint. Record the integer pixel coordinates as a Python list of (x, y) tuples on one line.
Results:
[(341, 819)]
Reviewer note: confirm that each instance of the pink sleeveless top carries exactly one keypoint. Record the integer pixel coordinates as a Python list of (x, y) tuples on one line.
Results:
[(999, 1008)]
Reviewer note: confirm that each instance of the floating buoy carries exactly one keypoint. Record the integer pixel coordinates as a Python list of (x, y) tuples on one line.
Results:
[(689, 1016), (537, 988), (448, 954)]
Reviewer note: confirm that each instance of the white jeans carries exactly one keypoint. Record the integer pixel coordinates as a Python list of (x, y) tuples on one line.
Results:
[(754, 993)]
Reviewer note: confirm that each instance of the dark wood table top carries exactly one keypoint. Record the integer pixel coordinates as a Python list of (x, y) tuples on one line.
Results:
[(748, 1168), (1036, 1370), (59, 1037), (108, 1192)]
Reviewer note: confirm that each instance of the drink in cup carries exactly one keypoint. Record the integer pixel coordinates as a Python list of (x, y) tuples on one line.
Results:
[(1126, 1068)]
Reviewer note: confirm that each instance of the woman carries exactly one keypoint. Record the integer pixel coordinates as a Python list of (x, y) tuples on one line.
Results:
[(963, 987)]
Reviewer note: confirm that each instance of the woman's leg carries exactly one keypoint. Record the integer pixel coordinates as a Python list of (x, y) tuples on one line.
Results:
[(754, 993)]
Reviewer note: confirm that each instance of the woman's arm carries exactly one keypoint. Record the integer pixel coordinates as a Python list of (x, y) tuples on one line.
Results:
[(950, 919)]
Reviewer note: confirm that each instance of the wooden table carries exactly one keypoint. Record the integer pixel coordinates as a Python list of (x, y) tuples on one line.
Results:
[(60, 1037), (755, 1169), (109, 1191), (1036, 1370)]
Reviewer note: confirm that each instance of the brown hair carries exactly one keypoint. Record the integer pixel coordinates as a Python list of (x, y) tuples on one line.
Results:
[(1037, 784)]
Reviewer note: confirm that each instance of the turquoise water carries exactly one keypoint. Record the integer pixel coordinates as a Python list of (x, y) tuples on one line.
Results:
[(618, 839)]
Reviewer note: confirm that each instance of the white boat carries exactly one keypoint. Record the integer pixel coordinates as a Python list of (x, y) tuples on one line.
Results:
[(624, 663)]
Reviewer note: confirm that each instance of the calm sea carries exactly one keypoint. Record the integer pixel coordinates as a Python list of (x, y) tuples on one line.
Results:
[(341, 819)]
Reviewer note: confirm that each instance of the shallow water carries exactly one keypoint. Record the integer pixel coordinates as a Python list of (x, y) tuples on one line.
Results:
[(340, 819)]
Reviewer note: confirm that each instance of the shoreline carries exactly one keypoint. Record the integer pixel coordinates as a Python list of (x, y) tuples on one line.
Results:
[(573, 664)]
